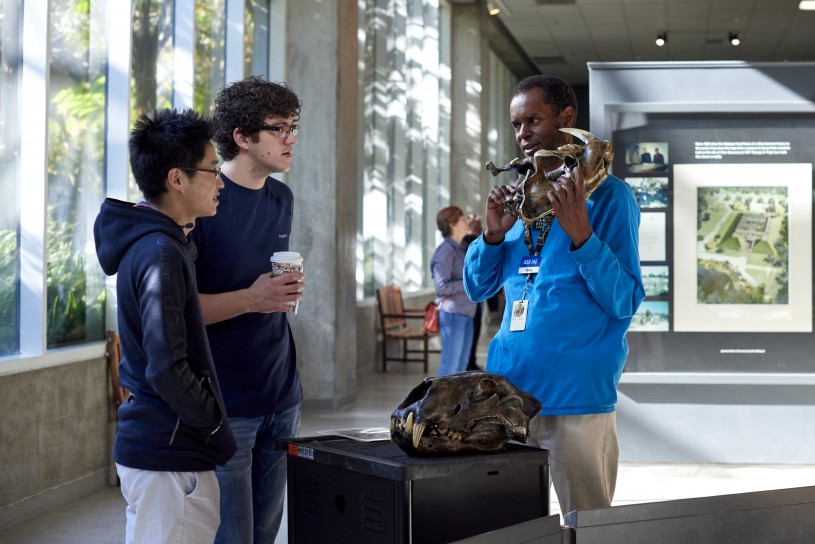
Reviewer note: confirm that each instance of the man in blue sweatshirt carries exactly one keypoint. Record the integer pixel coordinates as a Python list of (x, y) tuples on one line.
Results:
[(562, 338), (173, 429)]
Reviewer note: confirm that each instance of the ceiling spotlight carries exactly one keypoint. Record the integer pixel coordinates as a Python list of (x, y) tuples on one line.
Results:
[(492, 9), (661, 39), (733, 38), (807, 5)]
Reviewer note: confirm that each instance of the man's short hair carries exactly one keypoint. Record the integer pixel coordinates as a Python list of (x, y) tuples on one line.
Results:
[(245, 105), (163, 140), (556, 92)]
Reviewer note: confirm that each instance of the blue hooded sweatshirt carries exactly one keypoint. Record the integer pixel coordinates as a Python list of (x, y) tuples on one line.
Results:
[(174, 419)]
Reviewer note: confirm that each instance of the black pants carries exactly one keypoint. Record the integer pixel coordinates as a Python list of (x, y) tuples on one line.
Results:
[(476, 332)]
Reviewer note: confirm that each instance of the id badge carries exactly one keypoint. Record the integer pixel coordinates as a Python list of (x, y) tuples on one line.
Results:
[(530, 264), (519, 311)]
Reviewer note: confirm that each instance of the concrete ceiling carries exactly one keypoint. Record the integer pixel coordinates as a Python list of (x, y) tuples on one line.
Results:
[(561, 36)]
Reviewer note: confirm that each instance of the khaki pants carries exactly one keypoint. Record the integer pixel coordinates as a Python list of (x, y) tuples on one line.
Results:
[(170, 507), (583, 457)]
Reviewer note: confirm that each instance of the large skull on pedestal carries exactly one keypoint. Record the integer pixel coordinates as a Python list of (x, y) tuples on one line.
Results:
[(464, 412)]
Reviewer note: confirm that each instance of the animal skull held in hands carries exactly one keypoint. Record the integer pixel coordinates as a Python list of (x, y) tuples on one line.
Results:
[(593, 157), (464, 412)]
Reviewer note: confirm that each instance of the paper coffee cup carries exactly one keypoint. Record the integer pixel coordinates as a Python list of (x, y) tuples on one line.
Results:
[(284, 262)]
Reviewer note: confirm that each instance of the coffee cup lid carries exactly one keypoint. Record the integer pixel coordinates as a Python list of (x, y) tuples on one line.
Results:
[(286, 256)]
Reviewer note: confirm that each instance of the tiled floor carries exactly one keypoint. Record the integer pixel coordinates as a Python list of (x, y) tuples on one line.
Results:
[(99, 518)]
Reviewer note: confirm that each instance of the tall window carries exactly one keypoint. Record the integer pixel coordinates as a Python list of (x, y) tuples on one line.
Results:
[(502, 147), (151, 62), (256, 38), (58, 299), (209, 52), (76, 122), (10, 51), (406, 113)]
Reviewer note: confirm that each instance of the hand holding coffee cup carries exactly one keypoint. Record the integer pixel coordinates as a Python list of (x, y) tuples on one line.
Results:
[(284, 262)]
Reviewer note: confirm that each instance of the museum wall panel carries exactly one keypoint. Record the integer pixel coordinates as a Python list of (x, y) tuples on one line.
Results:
[(719, 157)]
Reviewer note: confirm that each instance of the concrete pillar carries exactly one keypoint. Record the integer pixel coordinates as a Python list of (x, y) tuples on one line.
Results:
[(321, 66), (468, 120)]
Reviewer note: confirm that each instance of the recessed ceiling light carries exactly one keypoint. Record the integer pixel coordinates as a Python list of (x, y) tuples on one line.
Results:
[(661, 39), (733, 37), (807, 5)]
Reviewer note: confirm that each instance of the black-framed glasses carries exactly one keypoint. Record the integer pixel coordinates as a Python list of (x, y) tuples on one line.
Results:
[(283, 131), (214, 171)]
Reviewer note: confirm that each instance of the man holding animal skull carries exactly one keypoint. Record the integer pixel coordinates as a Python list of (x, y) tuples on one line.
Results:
[(570, 300)]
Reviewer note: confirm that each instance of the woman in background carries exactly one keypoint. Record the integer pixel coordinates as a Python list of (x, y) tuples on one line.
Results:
[(456, 310)]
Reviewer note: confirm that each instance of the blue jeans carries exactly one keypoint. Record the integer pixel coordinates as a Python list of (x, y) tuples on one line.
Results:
[(254, 480), (456, 339)]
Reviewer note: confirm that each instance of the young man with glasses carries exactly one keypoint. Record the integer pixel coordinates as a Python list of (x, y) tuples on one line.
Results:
[(172, 431), (245, 308)]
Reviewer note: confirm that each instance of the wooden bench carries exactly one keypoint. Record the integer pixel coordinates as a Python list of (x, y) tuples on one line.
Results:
[(394, 321)]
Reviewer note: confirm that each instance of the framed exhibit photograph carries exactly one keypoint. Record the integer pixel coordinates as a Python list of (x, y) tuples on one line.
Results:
[(650, 192), (652, 315), (641, 157), (656, 281), (742, 254)]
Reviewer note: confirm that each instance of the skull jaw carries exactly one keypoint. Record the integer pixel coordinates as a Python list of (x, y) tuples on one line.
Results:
[(484, 438)]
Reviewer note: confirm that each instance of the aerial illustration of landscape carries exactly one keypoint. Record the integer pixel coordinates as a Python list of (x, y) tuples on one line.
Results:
[(742, 245)]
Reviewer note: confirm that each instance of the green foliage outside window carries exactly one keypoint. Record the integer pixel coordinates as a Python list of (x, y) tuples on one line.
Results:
[(76, 119), (8, 292), (73, 313), (209, 53)]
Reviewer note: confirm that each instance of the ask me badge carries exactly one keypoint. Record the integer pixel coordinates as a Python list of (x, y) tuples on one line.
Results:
[(530, 265)]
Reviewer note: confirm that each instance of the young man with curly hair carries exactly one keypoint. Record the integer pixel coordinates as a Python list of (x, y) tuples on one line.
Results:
[(245, 308)]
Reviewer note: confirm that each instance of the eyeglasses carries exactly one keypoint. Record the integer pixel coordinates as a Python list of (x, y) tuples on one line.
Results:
[(214, 171), (283, 131)]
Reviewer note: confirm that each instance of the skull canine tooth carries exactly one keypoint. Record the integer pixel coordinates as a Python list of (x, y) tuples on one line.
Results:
[(409, 423), (418, 431)]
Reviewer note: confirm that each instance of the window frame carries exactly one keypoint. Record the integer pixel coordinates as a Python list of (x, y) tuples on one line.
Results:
[(33, 162)]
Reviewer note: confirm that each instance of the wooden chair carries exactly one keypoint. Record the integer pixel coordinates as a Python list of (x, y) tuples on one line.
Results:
[(113, 353), (394, 320)]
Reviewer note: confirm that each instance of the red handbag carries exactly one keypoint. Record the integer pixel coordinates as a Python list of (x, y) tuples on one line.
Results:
[(431, 318)]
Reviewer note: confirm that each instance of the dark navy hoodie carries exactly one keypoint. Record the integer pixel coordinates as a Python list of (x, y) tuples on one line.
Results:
[(174, 419)]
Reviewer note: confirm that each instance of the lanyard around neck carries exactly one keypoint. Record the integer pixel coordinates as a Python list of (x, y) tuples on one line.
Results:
[(545, 224)]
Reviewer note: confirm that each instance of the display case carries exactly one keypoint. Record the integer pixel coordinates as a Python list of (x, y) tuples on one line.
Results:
[(720, 351), (719, 156)]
